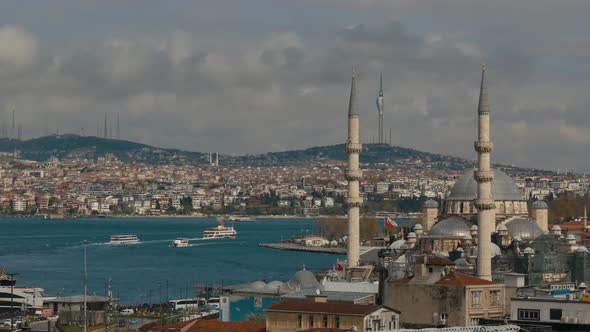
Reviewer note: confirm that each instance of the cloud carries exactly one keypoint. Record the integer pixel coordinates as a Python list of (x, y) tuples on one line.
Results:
[(243, 81), (18, 48)]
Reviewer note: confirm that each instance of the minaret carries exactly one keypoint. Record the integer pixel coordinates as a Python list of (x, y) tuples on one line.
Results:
[(486, 213), (353, 175), (380, 108)]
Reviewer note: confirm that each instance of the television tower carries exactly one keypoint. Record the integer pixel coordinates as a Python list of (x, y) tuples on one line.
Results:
[(380, 109), (353, 175), (486, 213)]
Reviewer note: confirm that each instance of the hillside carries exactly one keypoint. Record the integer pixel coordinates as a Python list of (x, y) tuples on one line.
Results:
[(90, 147), (71, 146)]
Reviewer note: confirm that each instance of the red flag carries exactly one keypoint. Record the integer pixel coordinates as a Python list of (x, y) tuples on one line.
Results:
[(339, 268), (390, 223)]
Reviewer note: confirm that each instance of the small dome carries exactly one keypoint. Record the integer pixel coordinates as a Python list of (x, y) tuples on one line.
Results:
[(582, 286), (525, 229), (275, 285), (467, 237), (529, 251), (431, 203), (411, 235), (462, 262), (452, 227), (418, 227), (503, 188), (474, 228), (570, 237), (397, 244), (540, 204), (401, 259), (258, 285), (303, 279), (460, 249), (496, 251), (502, 228), (582, 249), (517, 238), (556, 228)]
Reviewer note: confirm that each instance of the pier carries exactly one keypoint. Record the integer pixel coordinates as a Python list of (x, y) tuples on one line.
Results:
[(298, 247)]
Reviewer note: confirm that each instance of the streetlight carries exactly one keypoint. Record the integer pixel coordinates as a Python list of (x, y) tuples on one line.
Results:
[(85, 245)]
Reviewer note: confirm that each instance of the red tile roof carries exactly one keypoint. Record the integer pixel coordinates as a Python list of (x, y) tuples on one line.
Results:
[(323, 308), (437, 260), (454, 278), (207, 326), (404, 280), (217, 326)]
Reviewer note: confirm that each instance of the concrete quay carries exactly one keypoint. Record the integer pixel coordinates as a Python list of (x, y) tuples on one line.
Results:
[(297, 247)]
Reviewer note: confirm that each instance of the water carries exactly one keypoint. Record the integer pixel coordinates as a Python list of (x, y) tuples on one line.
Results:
[(49, 254)]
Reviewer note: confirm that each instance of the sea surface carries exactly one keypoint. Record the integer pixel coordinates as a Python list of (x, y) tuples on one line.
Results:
[(49, 254)]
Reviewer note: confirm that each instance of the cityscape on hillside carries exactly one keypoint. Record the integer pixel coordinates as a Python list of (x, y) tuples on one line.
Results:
[(266, 170)]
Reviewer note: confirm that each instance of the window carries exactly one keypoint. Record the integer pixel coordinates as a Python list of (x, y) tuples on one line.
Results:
[(495, 298), (443, 318), (325, 321), (555, 314), (474, 321), (310, 320), (337, 322), (298, 321), (529, 314), (476, 298)]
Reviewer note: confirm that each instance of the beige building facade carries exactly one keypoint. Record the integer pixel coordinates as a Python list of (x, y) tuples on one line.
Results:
[(292, 316), (454, 300)]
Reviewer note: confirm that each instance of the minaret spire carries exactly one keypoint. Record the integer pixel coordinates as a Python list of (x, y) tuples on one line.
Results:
[(353, 175), (380, 109), (486, 213)]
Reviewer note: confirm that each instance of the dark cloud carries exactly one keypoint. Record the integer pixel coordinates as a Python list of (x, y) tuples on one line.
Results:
[(225, 78)]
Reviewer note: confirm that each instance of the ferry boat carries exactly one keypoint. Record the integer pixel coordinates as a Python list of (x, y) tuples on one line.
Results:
[(124, 239), (27, 299), (180, 242), (219, 232)]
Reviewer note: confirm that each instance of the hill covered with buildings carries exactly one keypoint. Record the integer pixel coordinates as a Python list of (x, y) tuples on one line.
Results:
[(70, 146)]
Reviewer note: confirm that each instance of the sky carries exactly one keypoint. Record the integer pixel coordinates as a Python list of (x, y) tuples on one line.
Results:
[(254, 76)]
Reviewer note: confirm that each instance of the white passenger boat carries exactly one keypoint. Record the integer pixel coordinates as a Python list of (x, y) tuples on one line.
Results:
[(181, 243), (219, 232), (124, 239)]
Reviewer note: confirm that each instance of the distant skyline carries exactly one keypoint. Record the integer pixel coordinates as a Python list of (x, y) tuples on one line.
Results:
[(264, 75)]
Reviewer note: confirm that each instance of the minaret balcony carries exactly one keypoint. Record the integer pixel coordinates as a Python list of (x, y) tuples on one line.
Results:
[(483, 176), (484, 204), (354, 201), (353, 147), (353, 174), (484, 147)]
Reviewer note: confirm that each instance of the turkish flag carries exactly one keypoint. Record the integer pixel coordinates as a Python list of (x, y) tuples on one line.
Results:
[(390, 223), (339, 268)]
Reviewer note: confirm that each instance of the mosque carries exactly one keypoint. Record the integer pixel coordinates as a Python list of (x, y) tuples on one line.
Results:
[(488, 201)]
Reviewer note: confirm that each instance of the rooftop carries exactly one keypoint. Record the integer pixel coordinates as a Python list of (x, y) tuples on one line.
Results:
[(323, 308), (454, 278)]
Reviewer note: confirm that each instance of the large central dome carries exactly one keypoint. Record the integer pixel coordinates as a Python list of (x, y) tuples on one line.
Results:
[(503, 188)]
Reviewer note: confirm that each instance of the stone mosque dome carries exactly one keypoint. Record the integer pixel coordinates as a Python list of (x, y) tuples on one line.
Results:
[(540, 204), (524, 229), (303, 279), (431, 203), (503, 187), (396, 245), (451, 228)]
